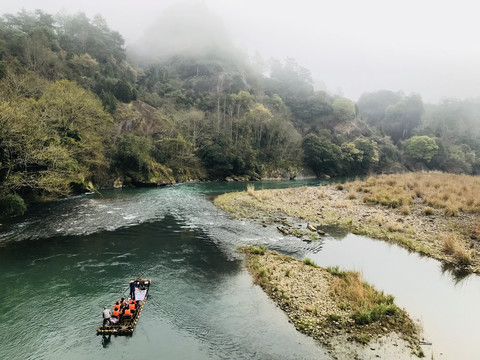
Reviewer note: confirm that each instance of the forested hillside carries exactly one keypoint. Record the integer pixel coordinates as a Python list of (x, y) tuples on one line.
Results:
[(79, 112)]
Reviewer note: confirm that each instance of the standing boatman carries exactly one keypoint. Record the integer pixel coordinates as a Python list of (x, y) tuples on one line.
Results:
[(132, 290), (106, 316)]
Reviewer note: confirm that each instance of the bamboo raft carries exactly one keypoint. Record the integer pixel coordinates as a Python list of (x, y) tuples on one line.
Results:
[(126, 326)]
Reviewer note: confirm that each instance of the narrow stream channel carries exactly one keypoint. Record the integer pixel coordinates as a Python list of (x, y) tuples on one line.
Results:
[(445, 303), (63, 261)]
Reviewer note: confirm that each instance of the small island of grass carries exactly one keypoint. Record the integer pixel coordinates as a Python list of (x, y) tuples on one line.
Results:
[(333, 306)]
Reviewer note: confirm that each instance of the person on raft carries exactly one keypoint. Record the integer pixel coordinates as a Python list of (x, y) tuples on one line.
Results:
[(106, 316), (132, 290)]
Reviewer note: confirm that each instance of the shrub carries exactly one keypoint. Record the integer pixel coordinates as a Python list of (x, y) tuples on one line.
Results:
[(333, 317), (452, 210), (310, 262), (375, 314), (363, 318), (427, 210), (12, 205), (394, 226), (251, 189), (389, 299), (405, 210), (260, 250), (452, 245), (335, 271)]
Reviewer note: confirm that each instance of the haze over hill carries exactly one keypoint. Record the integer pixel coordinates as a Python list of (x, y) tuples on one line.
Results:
[(351, 47), (187, 29), (81, 110)]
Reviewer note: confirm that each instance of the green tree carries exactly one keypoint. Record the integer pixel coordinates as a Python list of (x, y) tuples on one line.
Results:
[(133, 158), (372, 106), (123, 91), (79, 119), (33, 160), (259, 118), (422, 148), (369, 150), (344, 110), (217, 157), (313, 113), (322, 155), (402, 117)]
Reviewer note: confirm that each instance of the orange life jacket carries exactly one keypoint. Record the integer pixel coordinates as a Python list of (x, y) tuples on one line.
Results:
[(127, 312), (117, 306), (116, 312), (131, 306)]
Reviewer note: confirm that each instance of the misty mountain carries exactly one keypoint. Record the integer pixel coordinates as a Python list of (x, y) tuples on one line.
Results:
[(78, 113), (188, 29)]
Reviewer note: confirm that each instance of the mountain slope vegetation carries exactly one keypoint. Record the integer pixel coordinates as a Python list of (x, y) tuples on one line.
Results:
[(79, 111)]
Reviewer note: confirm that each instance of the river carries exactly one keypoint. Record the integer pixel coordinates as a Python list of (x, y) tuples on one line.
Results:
[(64, 260)]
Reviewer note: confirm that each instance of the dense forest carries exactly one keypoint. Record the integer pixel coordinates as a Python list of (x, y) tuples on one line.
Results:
[(79, 112)]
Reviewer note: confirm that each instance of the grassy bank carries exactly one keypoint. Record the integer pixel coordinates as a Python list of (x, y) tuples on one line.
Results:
[(329, 303), (435, 214)]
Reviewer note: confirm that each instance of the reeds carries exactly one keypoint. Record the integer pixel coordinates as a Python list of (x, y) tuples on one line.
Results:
[(259, 195), (453, 245), (450, 192)]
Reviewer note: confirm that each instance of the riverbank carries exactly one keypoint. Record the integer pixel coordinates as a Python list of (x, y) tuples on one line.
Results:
[(434, 214), (335, 307)]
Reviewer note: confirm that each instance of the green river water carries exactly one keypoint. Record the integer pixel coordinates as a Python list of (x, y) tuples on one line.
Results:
[(63, 261)]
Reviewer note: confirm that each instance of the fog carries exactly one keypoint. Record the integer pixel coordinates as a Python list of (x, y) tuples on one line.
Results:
[(351, 47)]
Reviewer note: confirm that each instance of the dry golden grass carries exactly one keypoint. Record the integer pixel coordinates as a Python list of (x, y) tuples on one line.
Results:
[(394, 226), (427, 210), (352, 195), (475, 230), (342, 204), (365, 304), (448, 198), (449, 192), (453, 245), (260, 195), (350, 288), (405, 210), (379, 219), (263, 195)]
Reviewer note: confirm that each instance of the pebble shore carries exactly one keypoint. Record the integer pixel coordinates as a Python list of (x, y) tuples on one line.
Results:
[(304, 292)]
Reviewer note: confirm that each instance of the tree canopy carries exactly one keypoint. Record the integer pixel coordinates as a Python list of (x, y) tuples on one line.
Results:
[(76, 112)]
